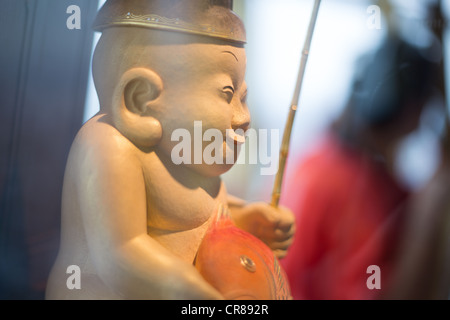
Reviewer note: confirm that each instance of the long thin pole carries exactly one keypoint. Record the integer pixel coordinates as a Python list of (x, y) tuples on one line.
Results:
[(293, 109)]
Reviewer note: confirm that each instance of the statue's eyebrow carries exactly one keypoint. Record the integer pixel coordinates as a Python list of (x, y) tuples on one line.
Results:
[(231, 54)]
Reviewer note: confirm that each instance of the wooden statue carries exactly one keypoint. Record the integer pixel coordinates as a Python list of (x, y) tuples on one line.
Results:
[(132, 219)]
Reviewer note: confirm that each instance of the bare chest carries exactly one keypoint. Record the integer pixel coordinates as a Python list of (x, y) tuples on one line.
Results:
[(180, 206)]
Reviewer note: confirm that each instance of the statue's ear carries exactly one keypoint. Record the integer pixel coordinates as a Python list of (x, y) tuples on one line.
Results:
[(134, 106)]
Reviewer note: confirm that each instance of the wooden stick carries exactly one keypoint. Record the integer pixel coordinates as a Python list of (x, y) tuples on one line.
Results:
[(293, 109)]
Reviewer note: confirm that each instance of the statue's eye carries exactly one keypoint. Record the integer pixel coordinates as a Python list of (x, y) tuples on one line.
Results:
[(229, 93)]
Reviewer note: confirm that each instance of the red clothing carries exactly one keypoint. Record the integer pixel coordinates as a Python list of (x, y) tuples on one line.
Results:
[(342, 200)]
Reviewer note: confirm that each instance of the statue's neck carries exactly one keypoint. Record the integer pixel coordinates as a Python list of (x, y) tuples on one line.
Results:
[(180, 204), (178, 199)]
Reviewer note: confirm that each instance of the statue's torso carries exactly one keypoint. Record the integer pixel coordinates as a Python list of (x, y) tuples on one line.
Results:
[(178, 215), (180, 205)]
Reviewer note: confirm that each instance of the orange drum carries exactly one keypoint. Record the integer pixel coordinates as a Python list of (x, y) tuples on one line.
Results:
[(239, 265)]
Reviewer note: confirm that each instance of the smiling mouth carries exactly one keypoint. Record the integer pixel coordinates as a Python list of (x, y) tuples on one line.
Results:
[(237, 137)]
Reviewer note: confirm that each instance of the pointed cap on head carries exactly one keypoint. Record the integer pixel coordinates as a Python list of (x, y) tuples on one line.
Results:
[(210, 18)]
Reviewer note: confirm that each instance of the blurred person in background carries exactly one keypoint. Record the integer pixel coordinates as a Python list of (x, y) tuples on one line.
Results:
[(352, 212)]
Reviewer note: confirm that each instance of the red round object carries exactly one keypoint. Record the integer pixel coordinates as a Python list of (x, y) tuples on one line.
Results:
[(239, 265)]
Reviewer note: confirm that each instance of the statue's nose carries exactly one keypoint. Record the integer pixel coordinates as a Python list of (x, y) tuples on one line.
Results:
[(241, 119)]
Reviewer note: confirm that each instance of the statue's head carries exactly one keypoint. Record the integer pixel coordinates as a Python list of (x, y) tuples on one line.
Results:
[(162, 65)]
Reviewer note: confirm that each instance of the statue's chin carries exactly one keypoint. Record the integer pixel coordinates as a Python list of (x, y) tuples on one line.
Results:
[(218, 167), (213, 170), (215, 167)]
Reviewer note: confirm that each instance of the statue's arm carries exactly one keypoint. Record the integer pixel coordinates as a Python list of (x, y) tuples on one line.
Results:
[(113, 205)]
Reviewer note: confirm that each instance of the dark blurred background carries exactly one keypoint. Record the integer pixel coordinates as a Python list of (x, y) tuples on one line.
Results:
[(43, 81)]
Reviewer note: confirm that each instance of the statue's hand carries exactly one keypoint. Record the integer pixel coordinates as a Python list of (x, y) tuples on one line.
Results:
[(274, 226)]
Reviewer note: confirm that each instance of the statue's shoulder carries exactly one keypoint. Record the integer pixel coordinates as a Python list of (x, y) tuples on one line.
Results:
[(99, 143), (99, 135)]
